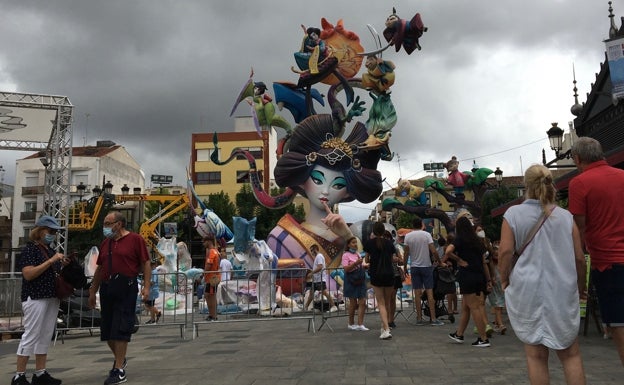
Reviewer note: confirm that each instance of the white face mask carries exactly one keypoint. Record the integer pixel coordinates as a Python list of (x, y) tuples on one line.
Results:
[(481, 234)]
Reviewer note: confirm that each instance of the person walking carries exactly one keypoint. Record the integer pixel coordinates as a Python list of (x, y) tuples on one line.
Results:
[(123, 256), (354, 284), (39, 264), (547, 273), (319, 280), (419, 246), (379, 255), (212, 277), (596, 204), (469, 253)]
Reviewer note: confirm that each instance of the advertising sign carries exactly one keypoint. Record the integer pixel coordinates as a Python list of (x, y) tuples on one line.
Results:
[(615, 56)]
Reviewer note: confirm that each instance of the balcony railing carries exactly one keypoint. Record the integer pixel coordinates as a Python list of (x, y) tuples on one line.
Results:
[(28, 216), (33, 190)]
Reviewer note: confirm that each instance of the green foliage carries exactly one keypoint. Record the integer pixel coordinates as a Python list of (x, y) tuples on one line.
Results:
[(491, 200), (404, 220), (221, 204), (248, 208)]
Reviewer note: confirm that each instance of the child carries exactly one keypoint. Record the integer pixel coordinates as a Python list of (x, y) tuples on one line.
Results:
[(153, 294), (497, 295)]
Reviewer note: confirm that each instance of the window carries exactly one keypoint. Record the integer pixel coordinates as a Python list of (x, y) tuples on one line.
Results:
[(31, 181), (203, 155), (212, 177), (255, 151), (242, 176), (30, 207)]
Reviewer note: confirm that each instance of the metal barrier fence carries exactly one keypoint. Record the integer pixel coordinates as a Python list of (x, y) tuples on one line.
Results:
[(10, 302)]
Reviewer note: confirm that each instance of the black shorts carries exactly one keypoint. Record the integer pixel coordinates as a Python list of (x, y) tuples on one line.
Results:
[(118, 317), (471, 282), (320, 286), (149, 302)]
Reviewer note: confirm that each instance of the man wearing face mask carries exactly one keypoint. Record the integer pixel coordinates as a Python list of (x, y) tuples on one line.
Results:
[(123, 255)]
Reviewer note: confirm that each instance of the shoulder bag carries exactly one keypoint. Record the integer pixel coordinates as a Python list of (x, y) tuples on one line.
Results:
[(118, 284), (538, 225)]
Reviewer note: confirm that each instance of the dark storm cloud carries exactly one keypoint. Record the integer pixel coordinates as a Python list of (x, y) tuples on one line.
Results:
[(150, 73)]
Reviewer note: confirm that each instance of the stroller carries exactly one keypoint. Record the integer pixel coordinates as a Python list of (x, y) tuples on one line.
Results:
[(443, 284)]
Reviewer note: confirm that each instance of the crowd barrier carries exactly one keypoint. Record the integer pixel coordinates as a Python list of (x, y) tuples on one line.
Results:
[(10, 303)]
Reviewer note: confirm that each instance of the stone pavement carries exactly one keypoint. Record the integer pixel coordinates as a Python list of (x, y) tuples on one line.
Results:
[(282, 351)]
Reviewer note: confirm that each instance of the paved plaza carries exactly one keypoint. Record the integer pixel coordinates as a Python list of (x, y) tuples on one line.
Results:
[(282, 351)]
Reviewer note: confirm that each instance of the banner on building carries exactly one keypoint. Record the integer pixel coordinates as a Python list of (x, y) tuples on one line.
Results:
[(615, 57)]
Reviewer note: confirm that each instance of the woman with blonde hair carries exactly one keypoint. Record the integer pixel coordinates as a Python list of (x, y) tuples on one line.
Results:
[(548, 272)]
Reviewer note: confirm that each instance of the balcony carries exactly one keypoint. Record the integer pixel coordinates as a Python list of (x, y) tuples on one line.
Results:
[(33, 191), (28, 216)]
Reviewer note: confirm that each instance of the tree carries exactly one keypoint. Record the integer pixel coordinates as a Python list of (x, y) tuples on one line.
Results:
[(248, 208), (404, 220), (491, 200)]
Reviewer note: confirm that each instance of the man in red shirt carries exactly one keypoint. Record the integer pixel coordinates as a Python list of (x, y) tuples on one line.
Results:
[(123, 256), (596, 203)]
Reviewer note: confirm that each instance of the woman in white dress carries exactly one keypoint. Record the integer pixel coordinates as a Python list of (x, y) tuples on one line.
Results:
[(542, 288)]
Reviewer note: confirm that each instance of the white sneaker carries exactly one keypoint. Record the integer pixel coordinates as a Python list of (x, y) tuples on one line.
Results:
[(333, 309), (353, 327), (361, 328), (385, 335)]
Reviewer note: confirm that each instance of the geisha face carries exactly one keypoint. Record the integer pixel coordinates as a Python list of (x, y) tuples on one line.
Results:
[(325, 186)]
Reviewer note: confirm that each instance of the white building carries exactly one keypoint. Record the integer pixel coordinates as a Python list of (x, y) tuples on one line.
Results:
[(91, 165)]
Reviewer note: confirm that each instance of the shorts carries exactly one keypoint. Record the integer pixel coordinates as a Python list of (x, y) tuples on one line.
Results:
[(422, 277), (471, 282), (210, 289), (320, 286), (609, 286), (118, 317), (149, 302), (398, 283)]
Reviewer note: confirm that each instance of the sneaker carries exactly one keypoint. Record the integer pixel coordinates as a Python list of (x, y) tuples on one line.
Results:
[(211, 318), (437, 322), (361, 328), (333, 309), (44, 379), (385, 335), (503, 329), (352, 327), (151, 321), (456, 338), (20, 380), (116, 376), (479, 343), (420, 322), (123, 365), (392, 325), (489, 330)]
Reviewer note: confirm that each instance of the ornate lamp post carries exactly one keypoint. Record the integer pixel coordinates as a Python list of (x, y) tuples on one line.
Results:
[(81, 188), (498, 174)]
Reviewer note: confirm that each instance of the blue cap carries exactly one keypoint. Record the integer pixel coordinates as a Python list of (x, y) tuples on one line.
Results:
[(49, 222)]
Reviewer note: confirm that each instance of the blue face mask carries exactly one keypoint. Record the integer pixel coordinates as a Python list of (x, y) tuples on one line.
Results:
[(108, 232), (49, 238), (352, 250)]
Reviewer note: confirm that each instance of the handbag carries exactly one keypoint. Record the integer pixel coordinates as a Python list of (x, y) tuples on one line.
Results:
[(538, 225), (63, 288), (356, 277)]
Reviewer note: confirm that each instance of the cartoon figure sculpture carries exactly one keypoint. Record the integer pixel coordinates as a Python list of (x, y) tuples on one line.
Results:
[(408, 194), (262, 107), (379, 76), (313, 50), (403, 33), (456, 178)]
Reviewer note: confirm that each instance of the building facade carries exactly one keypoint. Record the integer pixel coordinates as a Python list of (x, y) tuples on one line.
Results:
[(91, 166)]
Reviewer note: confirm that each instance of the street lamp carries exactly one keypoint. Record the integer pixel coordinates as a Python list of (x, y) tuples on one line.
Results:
[(108, 188), (498, 174), (96, 191), (81, 188), (555, 136), (125, 190)]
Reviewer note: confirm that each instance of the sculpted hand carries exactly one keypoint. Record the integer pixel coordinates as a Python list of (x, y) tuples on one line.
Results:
[(336, 223)]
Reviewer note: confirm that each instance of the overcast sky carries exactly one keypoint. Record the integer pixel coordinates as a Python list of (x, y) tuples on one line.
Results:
[(491, 76)]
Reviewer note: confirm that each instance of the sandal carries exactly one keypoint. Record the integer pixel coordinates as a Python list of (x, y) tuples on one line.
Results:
[(158, 317)]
